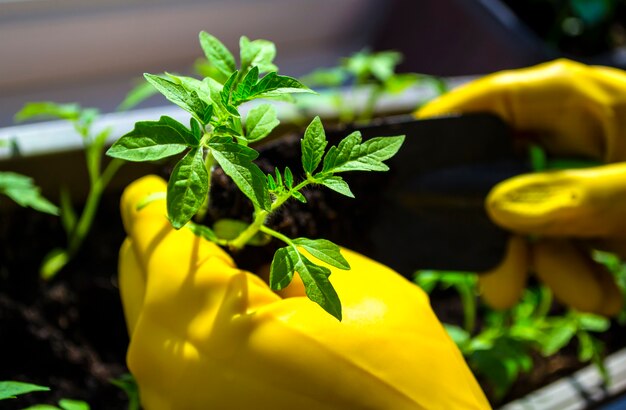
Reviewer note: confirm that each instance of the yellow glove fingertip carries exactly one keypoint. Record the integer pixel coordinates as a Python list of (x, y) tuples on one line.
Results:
[(502, 287), (569, 273), (138, 191)]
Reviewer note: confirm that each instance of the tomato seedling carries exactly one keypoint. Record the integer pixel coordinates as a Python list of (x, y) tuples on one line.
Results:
[(372, 72), (76, 227), (219, 135)]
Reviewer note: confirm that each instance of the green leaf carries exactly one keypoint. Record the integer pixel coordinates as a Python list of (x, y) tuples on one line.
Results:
[(297, 195), (205, 69), (257, 53), (261, 120), (593, 323), (225, 95), (288, 178), (313, 145), (399, 83), (53, 262), (207, 115), (279, 178), (365, 65), (25, 193), (271, 184), (271, 85), (214, 90), (12, 389), (48, 110), (202, 231), (527, 330), (187, 188), (316, 284), (358, 64), (217, 53), (196, 129), (427, 279), (557, 337), (236, 161), (153, 140), (127, 383), (315, 278), (324, 250), (178, 94), (500, 364), (458, 335), (196, 89), (586, 347), (191, 84), (337, 184), (351, 155), (281, 269), (244, 89), (67, 404), (383, 64), (325, 77), (225, 130)]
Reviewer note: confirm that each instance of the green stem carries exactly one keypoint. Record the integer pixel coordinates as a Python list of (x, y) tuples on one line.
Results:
[(242, 239), (545, 302), (276, 235), (261, 215), (368, 110), (469, 309), (91, 206)]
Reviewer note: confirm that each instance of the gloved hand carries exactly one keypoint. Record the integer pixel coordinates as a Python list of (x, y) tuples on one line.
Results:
[(571, 110), (204, 334)]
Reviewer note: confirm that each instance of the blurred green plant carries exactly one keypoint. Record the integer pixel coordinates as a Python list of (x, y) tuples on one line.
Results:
[(12, 389), (21, 188), (499, 345), (352, 88), (23, 191), (127, 383), (371, 72), (76, 226)]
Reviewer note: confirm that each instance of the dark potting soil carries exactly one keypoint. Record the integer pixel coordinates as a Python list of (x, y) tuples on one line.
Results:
[(69, 333)]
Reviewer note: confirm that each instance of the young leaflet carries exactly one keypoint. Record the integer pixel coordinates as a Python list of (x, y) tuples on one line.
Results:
[(218, 135)]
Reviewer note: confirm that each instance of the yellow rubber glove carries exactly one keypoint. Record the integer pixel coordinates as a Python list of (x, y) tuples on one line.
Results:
[(572, 110), (204, 334)]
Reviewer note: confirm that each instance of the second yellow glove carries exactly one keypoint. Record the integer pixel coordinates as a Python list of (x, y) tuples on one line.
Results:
[(572, 110)]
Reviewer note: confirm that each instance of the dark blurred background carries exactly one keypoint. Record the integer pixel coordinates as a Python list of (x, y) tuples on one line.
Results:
[(92, 52)]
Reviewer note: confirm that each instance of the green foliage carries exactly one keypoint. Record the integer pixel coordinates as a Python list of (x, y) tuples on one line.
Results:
[(64, 404), (502, 347), (24, 192), (220, 135), (76, 227), (127, 383), (373, 72), (12, 389)]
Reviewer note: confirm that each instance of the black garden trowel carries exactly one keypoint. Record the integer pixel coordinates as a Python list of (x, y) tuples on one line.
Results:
[(430, 212)]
